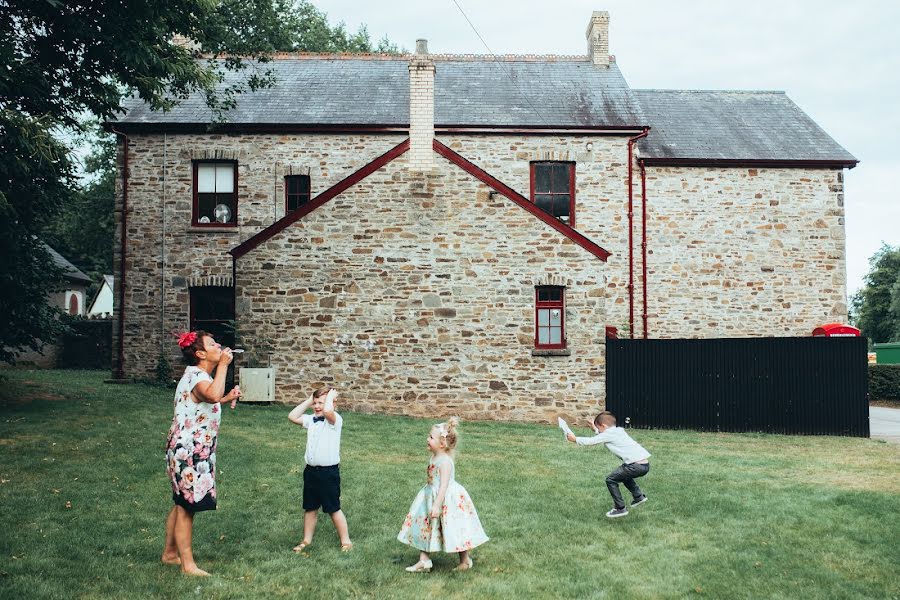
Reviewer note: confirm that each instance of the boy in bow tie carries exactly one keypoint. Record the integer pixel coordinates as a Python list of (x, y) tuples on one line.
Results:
[(322, 476)]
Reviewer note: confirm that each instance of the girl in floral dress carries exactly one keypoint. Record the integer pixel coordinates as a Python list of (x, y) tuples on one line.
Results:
[(191, 446), (442, 517)]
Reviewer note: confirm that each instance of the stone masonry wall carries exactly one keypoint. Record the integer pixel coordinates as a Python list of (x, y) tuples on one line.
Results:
[(414, 294), (165, 255), (743, 252), (601, 191)]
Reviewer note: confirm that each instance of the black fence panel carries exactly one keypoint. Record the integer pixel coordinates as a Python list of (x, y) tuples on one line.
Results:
[(810, 385)]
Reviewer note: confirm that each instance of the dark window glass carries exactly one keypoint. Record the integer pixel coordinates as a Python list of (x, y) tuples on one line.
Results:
[(552, 191), (297, 191), (212, 310), (215, 194)]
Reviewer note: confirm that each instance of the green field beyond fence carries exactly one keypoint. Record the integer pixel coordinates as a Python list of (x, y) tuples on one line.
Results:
[(84, 496)]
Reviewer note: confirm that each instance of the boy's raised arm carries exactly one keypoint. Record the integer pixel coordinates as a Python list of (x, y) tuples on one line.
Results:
[(296, 415), (328, 409)]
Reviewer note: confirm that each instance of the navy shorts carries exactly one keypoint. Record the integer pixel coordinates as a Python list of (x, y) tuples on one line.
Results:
[(322, 487)]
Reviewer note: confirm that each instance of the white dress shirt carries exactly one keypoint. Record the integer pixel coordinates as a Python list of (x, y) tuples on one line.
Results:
[(619, 443), (323, 442)]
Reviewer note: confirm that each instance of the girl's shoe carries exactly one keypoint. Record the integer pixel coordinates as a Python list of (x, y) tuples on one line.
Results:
[(301, 546), (464, 566), (420, 567)]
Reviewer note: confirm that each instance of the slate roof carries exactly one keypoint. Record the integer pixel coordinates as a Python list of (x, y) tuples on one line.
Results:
[(733, 126), (70, 271), (374, 90)]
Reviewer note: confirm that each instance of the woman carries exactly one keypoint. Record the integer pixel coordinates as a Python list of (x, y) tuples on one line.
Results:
[(191, 447)]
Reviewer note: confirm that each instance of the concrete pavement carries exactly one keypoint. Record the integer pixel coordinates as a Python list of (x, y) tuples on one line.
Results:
[(884, 423)]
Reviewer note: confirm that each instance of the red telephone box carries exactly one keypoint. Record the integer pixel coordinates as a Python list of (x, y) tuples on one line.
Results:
[(835, 330)]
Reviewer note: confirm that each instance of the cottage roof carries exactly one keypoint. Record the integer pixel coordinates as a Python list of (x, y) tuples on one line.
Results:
[(470, 90), (70, 271), (733, 126)]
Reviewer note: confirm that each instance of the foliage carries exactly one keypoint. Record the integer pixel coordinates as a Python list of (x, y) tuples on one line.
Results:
[(64, 59), (729, 515), (884, 382), (876, 307)]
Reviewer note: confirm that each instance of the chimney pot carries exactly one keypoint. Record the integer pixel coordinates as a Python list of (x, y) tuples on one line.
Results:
[(421, 47)]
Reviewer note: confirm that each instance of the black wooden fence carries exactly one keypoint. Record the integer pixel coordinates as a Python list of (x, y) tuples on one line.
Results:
[(777, 385)]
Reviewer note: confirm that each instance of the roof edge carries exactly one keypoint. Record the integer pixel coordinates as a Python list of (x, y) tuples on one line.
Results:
[(749, 162), (520, 200), (341, 186)]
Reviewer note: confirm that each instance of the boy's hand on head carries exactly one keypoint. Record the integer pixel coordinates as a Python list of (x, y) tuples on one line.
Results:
[(570, 437)]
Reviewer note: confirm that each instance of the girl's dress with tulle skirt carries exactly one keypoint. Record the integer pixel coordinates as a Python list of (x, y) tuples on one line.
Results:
[(458, 527)]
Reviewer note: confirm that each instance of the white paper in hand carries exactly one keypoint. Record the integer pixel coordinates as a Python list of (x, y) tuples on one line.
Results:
[(564, 426)]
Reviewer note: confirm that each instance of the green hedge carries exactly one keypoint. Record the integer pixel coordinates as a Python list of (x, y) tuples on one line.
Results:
[(884, 382)]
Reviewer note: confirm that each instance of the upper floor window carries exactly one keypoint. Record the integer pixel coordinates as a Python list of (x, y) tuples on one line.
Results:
[(550, 317), (553, 189), (296, 192), (215, 194)]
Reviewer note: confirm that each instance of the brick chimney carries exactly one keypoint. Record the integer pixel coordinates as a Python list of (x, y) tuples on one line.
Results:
[(598, 38), (421, 108)]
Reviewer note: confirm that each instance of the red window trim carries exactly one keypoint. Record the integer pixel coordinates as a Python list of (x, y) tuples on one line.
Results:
[(287, 210), (561, 304), (195, 209), (571, 165)]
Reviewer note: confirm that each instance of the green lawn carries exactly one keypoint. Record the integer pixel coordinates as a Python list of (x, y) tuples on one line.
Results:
[(729, 516)]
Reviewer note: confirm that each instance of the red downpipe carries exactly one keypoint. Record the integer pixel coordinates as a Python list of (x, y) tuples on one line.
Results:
[(631, 142), (644, 239), (120, 370)]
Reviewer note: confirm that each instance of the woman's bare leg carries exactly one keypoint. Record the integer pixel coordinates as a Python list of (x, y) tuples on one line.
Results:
[(184, 531), (170, 550)]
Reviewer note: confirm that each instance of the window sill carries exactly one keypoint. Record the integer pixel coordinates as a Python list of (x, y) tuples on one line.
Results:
[(551, 352), (196, 229)]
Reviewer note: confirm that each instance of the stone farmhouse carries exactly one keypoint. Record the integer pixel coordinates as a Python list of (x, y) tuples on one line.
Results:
[(437, 234)]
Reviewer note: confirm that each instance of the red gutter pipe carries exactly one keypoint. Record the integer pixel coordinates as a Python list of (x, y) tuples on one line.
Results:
[(644, 239), (631, 142), (120, 369)]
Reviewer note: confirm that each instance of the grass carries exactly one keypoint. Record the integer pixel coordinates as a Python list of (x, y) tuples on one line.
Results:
[(730, 515)]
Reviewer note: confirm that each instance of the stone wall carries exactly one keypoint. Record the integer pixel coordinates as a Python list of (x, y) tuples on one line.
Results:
[(737, 252), (165, 255), (414, 294)]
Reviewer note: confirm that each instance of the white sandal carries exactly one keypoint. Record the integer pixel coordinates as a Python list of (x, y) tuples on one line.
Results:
[(421, 567)]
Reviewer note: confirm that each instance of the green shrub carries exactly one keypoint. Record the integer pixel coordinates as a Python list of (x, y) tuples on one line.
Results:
[(884, 382)]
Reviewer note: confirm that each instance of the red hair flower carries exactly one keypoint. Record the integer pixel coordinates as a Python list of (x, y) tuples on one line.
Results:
[(186, 339)]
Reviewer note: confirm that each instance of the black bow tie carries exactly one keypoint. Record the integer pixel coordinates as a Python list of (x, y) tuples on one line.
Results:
[(317, 419)]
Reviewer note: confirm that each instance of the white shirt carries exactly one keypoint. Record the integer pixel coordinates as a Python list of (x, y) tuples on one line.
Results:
[(619, 443), (323, 442)]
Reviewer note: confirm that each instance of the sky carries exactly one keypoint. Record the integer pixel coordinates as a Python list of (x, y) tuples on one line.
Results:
[(839, 61)]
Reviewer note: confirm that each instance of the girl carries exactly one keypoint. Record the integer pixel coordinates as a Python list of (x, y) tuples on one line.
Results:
[(191, 448), (442, 517)]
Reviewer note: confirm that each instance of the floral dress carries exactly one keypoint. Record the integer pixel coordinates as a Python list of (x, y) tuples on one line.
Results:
[(191, 447), (458, 527)]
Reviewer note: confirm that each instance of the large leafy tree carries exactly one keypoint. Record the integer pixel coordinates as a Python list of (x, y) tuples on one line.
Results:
[(65, 59), (876, 307)]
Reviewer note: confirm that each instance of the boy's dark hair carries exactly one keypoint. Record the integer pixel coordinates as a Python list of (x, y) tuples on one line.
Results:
[(605, 418), (320, 392)]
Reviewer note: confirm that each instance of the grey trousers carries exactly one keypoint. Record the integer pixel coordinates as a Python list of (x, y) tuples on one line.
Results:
[(626, 474)]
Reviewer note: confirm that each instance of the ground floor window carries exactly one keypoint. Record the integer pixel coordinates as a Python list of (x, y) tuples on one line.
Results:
[(550, 317), (212, 310)]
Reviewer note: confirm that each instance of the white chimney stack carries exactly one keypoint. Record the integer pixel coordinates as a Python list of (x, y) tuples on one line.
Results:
[(598, 38), (421, 109)]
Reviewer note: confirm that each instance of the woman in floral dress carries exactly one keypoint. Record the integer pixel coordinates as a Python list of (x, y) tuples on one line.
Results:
[(191, 446), (442, 516)]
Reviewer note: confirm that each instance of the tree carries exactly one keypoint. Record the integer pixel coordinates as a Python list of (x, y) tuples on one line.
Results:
[(876, 307), (63, 59)]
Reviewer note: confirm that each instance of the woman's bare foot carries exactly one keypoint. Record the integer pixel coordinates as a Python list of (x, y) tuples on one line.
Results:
[(195, 571), (171, 559)]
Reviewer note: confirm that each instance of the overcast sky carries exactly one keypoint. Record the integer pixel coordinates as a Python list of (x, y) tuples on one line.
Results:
[(839, 61)]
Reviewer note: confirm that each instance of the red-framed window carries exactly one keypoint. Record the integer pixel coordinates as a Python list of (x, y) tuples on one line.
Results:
[(296, 192), (215, 193), (550, 317), (212, 310), (553, 189)]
